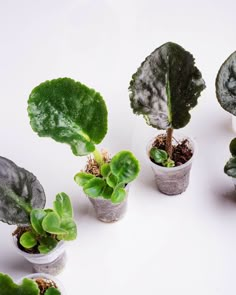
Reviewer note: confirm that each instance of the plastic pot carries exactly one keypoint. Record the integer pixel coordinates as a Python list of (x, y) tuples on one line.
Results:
[(51, 263), (173, 180)]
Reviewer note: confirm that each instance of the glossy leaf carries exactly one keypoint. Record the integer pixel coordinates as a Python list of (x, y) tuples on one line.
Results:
[(105, 169), (230, 167), (69, 112), (20, 191), (118, 195), (82, 178), (94, 187), (125, 166), (107, 192), (36, 219), (47, 244), (232, 147), (62, 206), (112, 180), (69, 226), (166, 87), (28, 240), (226, 84), (51, 224), (158, 155)]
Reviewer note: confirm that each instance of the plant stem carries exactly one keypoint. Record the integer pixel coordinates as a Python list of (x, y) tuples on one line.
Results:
[(98, 157), (169, 147)]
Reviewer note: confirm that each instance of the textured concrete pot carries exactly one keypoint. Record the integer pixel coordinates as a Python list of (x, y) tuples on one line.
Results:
[(108, 212), (174, 180), (46, 277), (51, 263)]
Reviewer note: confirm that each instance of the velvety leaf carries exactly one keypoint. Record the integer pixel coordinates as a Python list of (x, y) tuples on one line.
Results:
[(82, 178), (112, 180), (226, 84), (20, 191), (107, 192), (118, 195), (62, 206), (158, 155), (70, 228), (232, 147), (51, 224), (105, 169), (28, 240), (125, 166), (36, 219), (94, 187), (230, 167), (8, 287), (52, 291), (47, 244), (69, 112), (166, 87)]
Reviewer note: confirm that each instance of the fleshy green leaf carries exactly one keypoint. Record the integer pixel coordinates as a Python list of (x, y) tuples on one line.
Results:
[(166, 87), (112, 180), (8, 287), (230, 167), (47, 244), (20, 191), (226, 84), (94, 187), (52, 291), (158, 155), (69, 226), (82, 178), (118, 195), (107, 192), (36, 219), (51, 224), (105, 169), (125, 166), (62, 206), (69, 112), (28, 240), (232, 147)]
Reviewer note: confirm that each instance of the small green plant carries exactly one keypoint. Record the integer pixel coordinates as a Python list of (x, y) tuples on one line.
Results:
[(122, 169), (230, 166), (165, 88), (22, 200), (160, 156), (27, 287)]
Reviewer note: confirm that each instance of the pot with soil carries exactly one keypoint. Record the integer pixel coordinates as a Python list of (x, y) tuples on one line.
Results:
[(70, 112), (33, 284), (164, 89), (40, 233)]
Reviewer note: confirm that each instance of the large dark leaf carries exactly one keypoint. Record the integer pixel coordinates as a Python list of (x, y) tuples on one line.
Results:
[(166, 87), (20, 191), (226, 84), (69, 112)]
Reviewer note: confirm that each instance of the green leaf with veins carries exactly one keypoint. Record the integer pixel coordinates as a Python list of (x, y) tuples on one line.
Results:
[(166, 87), (118, 195), (94, 187), (107, 192), (51, 224), (105, 169), (36, 219), (82, 178), (112, 180), (47, 244), (62, 206), (69, 112), (69, 226), (158, 155), (28, 240)]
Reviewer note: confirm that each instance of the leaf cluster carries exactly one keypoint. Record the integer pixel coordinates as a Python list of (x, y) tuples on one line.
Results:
[(161, 157), (230, 166), (122, 169)]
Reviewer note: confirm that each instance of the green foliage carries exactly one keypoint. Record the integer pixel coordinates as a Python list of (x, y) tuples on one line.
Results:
[(122, 169), (226, 84), (230, 166), (69, 112), (20, 191), (27, 287), (50, 226), (166, 87), (161, 157), (232, 147)]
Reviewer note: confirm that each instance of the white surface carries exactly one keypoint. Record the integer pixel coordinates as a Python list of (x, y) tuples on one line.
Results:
[(165, 245)]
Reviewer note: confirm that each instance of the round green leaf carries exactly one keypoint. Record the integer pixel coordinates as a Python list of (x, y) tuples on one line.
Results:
[(51, 224), (47, 244), (105, 169), (158, 155), (94, 187), (125, 166), (232, 147), (230, 167), (69, 226), (28, 240), (112, 180), (62, 206), (107, 192), (82, 178), (36, 219), (69, 112), (118, 195)]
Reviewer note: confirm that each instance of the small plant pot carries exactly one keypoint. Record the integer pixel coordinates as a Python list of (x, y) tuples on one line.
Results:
[(173, 180), (51, 263), (108, 212), (47, 277)]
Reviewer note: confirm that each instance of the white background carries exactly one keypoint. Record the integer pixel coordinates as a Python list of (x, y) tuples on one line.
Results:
[(165, 245)]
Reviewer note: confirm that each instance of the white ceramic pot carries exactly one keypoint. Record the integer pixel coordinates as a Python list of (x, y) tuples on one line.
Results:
[(173, 180), (51, 263)]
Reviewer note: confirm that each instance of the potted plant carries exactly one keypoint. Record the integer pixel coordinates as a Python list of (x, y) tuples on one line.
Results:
[(34, 284), (226, 86), (164, 89), (40, 233), (70, 112), (230, 166)]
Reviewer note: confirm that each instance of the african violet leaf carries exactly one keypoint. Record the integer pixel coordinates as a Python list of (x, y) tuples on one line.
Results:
[(230, 167), (8, 287), (47, 244), (51, 224), (20, 191), (226, 84), (166, 87), (69, 226), (158, 155), (124, 166), (52, 291), (69, 112), (94, 187), (28, 240), (232, 147), (81, 178), (36, 219), (62, 206), (118, 195)]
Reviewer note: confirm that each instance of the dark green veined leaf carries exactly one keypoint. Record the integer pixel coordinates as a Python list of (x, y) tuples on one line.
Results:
[(226, 84), (82, 178), (94, 187), (62, 206), (158, 155), (107, 192), (232, 147), (112, 180), (36, 219), (51, 224), (69, 226), (69, 112), (166, 87), (47, 244), (230, 167), (118, 195), (125, 166), (28, 240), (105, 169), (52, 291), (20, 191), (8, 287)]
